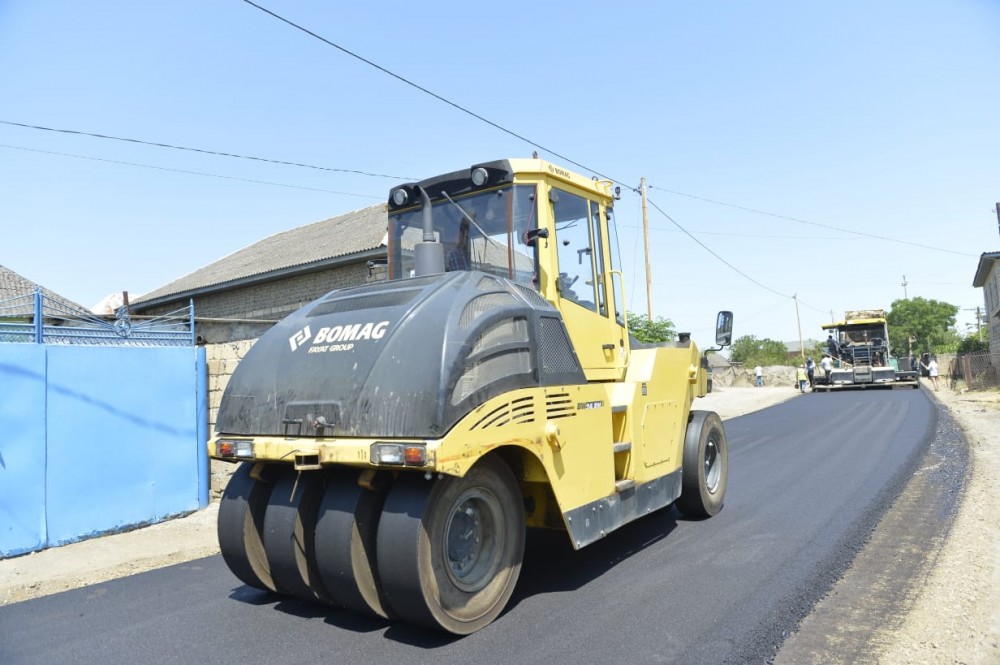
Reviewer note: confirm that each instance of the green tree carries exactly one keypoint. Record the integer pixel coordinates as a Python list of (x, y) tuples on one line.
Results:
[(651, 332), (930, 322), (752, 351), (972, 344)]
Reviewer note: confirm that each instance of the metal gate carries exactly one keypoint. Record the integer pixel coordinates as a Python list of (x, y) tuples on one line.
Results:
[(104, 422)]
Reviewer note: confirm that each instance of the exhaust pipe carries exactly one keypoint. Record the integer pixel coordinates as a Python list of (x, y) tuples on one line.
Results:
[(428, 256)]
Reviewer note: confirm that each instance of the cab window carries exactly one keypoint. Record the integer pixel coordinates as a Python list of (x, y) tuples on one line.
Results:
[(576, 280)]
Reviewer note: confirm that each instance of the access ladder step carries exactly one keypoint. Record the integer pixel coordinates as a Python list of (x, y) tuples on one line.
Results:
[(621, 446), (624, 484), (619, 408)]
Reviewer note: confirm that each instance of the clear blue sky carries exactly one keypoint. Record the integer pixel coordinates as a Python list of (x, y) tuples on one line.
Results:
[(879, 118)]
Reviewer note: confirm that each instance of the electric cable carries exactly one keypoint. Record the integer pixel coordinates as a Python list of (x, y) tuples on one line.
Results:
[(199, 173), (426, 91), (804, 221), (727, 263), (201, 150)]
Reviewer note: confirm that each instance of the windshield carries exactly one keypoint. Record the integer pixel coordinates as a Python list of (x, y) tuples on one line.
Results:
[(490, 236), (869, 334)]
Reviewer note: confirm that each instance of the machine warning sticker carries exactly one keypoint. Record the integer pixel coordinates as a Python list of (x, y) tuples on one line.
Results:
[(589, 405)]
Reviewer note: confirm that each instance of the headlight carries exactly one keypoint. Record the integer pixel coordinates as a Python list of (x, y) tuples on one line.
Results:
[(408, 454), (234, 448), (479, 176), (400, 196)]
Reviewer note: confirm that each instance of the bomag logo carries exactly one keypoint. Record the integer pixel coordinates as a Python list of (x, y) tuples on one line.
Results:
[(299, 338), (337, 338)]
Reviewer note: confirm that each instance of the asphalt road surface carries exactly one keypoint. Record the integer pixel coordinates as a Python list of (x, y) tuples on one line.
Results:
[(809, 479)]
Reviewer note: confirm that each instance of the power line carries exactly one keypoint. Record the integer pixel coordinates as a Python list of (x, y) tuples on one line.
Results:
[(804, 221), (737, 235), (727, 263), (424, 90), (710, 251), (201, 150), (199, 173), (535, 144)]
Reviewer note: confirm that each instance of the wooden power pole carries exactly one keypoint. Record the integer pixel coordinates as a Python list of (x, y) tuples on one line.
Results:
[(645, 243), (798, 321)]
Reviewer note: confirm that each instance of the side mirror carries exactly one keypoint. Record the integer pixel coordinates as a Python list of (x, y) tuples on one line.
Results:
[(724, 329), (531, 237)]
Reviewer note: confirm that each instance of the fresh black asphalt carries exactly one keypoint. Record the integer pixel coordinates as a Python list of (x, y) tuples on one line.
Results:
[(809, 480)]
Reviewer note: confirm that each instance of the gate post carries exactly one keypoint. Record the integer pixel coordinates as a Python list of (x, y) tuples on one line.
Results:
[(39, 327)]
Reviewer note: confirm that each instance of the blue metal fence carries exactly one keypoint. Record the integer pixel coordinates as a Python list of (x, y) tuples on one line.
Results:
[(98, 435), (33, 318)]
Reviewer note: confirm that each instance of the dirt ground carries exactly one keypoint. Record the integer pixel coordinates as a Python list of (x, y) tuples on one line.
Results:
[(955, 618)]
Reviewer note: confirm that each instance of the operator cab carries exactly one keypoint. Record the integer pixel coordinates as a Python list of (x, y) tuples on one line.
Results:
[(533, 223)]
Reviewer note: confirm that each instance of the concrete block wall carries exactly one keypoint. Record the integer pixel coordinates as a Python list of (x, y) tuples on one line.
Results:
[(221, 361)]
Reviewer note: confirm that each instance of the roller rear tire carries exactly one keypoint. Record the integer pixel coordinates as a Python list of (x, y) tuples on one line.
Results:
[(289, 524), (345, 542), (240, 528)]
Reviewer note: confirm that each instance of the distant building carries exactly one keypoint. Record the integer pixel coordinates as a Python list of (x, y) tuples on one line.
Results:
[(988, 279), (794, 352)]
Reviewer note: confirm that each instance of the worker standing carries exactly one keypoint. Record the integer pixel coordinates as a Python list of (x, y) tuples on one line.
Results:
[(827, 366)]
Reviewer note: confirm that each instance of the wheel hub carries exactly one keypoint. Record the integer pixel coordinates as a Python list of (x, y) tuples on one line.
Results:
[(473, 540), (713, 468)]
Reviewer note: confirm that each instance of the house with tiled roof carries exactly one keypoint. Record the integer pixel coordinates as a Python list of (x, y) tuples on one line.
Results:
[(17, 297), (988, 279), (241, 295)]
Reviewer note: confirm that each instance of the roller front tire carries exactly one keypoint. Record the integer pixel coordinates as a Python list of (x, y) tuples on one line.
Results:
[(450, 550)]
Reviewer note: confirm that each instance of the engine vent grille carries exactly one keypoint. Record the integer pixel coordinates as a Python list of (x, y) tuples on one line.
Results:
[(533, 296), (479, 306), (504, 332), (489, 370), (515, 412), (372, 301), (556, 353), (559, 405)]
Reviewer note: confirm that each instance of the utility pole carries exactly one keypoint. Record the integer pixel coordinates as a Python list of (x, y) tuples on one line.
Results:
[(905, 297), (645, 242), (979, 322), (802, 346)]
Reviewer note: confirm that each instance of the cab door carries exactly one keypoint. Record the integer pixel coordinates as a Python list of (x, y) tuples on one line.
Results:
[(584, 286)]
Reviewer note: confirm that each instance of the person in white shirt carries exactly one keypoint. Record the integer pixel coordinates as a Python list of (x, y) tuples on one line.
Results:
[(758, 373), (932, 371), (826, 364)]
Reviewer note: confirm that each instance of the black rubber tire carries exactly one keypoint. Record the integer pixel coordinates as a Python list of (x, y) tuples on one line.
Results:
[(289, 524), (705, 473), (464, 587), (346, 534), (240, 528)]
